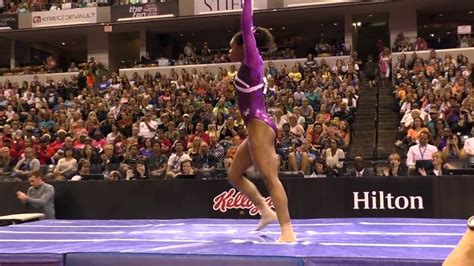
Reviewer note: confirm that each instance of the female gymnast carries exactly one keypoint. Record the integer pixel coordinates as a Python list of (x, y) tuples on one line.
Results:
[(258, 148)]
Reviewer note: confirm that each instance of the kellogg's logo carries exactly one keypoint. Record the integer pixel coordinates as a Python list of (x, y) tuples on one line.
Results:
[(37, 19), (232, 199)]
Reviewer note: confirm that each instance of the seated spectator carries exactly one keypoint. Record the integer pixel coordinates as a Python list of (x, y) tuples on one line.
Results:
[(217, 150), (359, 168), (321, 170), (6, 162), (453, 153), (157, 162), (301, 159), (83, 168), (194, 146), (26, 166), (236, 141), (110, 161), (414, 132), (421, 151), (140, 171), (45, 151), (174, 162), (205, 163), (395, 166), (334, 156), (186, 168), (437, 166), (66, 167), (147, 149)]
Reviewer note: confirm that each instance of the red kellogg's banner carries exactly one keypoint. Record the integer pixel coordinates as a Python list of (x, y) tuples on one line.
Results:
[(232, 199)]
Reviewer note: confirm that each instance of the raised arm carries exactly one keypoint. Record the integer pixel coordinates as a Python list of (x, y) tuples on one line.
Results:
[(252, 55)]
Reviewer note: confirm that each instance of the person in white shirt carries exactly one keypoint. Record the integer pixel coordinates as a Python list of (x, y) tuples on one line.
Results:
[(175, 160), (469, 144), (421, 151), (147, 127)]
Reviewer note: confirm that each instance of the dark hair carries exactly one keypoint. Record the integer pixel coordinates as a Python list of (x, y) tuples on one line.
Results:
[(263, 37)]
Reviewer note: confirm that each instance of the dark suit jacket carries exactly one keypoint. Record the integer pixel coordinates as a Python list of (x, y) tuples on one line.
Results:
[(367, 172)]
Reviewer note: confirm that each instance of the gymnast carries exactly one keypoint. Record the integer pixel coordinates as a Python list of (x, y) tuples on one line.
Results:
[(258, 148)]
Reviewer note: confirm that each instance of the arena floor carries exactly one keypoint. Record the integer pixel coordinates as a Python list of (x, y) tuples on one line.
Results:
[(358, 241)]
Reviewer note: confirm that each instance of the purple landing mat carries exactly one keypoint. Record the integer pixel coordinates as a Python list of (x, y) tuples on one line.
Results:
[(355, 241)]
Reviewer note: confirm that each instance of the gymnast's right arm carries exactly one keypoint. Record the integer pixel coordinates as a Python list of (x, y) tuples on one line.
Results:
[(252, 55)]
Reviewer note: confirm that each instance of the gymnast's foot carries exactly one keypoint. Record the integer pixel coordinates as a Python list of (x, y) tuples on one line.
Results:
[(287, 234), (268, 216)]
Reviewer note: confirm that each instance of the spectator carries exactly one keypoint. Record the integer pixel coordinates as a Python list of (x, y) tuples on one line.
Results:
[(205, 163), (174, 162), (301, 159), (421, 151), (359, 169), (66, 166), (26, 166), (6, 163), (395, 167), (157, 162), (370, 71), (437, 166), (334, 156), (147, 127), (186, 168), (321, 170)]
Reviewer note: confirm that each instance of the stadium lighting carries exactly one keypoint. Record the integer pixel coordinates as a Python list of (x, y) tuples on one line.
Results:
[(147, 17)]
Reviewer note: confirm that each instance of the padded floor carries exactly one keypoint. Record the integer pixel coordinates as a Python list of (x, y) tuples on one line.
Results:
[(370, 241)]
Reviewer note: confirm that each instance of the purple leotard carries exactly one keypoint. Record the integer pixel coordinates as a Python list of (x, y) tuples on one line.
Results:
[(249, 79)]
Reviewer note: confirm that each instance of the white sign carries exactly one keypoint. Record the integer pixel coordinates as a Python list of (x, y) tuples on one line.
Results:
[(64, 17), (202, 7), (466, 29)]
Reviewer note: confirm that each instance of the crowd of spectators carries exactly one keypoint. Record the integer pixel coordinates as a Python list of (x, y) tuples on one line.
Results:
[(435, 99), (165, 126), (402, 44), (13, 7), (193, 55)]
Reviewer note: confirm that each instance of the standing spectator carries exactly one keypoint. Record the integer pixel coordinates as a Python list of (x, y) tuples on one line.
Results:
[(370, 70), (40, 196), (385, 59)]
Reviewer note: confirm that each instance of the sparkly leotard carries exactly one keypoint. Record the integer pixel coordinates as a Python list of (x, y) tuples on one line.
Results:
[(249, 79)]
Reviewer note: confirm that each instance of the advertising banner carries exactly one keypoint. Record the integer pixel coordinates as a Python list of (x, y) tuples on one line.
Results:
[(9, 21), (64, 17), (393, 197), (202, 7), (145, 10)]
